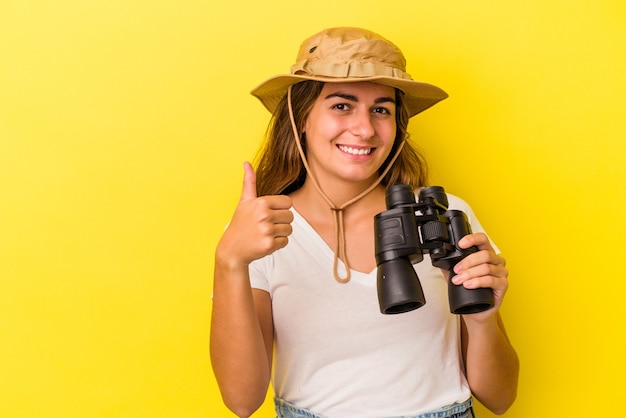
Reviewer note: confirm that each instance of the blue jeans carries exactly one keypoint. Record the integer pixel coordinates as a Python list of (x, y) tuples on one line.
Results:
[(458, 410)]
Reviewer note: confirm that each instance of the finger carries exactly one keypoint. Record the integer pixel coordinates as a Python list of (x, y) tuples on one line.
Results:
[(495, 283), (280, 242), (485, 274), (282, 230), (478, 239), (478, 258), (248, 191), (279, 202), (481, 270), (283, 216)]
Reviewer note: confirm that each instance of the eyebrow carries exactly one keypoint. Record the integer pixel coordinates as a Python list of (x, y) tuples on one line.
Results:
[(353, 98)]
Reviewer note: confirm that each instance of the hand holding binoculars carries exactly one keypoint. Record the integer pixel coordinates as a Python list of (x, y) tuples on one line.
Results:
[(404, 233)]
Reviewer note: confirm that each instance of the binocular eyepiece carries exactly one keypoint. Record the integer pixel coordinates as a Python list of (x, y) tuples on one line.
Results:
[(403, 237)]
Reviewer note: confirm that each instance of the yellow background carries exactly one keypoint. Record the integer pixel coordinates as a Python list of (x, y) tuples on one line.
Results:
[(123, 128)]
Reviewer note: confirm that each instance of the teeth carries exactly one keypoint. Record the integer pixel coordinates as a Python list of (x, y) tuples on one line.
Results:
[(355, 151)]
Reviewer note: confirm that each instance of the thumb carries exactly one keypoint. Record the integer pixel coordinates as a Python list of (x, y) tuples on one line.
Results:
[(248, 191)]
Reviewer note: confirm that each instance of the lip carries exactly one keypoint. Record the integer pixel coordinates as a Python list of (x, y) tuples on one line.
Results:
[(356, 151)]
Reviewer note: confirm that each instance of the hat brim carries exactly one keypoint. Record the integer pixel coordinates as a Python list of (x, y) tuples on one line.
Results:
[(419, 96)]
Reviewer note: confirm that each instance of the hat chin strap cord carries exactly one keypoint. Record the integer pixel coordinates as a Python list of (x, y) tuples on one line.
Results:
[(340, 233)]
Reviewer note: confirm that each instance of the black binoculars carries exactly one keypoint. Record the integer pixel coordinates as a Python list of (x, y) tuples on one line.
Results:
[(403, 237)]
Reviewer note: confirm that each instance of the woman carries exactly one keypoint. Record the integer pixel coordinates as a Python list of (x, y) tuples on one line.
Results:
[(338, 138)]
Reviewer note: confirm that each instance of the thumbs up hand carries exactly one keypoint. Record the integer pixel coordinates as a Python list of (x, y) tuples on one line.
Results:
[(259, 226)]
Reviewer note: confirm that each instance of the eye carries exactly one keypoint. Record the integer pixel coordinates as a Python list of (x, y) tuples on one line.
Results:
[(381, 110), (341, 106)]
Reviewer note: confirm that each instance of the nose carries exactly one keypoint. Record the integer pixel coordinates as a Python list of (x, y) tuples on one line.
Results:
[(361, 125)]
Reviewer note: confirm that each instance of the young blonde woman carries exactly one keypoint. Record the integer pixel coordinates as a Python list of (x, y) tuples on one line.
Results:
[(295, 300)]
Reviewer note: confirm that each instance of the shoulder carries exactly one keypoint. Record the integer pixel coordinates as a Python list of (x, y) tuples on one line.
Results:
[(457, 203)]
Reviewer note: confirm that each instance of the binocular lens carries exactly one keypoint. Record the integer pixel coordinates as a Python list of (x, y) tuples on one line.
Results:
[(399, 289)]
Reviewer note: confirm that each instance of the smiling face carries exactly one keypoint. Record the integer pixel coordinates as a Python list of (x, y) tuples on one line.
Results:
[(350, 131)]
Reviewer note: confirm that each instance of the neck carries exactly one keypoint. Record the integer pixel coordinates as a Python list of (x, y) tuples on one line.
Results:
[(339, 193)]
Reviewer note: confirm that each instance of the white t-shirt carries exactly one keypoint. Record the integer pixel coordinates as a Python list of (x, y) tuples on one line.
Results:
[(337, 355)]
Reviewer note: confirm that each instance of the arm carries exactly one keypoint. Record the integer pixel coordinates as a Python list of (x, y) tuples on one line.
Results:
[(241, 341), (492, 365), (241, 323)]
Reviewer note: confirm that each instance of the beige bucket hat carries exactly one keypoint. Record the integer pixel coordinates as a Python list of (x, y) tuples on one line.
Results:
[(345, 54)]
